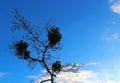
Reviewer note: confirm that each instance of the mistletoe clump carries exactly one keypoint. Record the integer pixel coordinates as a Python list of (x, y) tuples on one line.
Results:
[(21, 49), (54, 36), (56, 67)]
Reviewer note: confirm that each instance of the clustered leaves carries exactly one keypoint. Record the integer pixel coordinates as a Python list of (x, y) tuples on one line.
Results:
[(21, 50), (56, 67), (54, 36)]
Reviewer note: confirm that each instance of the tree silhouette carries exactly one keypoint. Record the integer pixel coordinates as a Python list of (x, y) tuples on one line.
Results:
[(32, 40)]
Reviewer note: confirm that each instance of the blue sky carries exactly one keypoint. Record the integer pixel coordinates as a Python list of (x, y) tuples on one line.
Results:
[(90, 29)]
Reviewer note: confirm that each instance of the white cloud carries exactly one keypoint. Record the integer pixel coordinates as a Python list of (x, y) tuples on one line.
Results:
[(2, 74), (106, 75), (115, 6), (70, 77)]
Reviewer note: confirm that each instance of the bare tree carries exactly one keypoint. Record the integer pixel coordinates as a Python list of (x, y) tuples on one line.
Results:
[(42, 45)]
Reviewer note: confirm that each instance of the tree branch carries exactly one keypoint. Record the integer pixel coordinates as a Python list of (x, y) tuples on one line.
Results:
[(34, 59), (20, 21), (43, 61), (45, 80)]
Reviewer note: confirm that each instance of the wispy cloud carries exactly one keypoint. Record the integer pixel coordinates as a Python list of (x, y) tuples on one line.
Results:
[(93, 64), (116, 36), (115, 6), (2, 74), (70, 77), (111, 1), (114, 22), (32, 77), (105, 75), (43, 74), (112, 34)]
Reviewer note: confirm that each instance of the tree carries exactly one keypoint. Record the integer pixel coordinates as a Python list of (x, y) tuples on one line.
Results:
[(44, 47)]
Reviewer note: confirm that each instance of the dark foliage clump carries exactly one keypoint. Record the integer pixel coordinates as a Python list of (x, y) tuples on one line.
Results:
[(54, 36), (21, 49), (56, 67)]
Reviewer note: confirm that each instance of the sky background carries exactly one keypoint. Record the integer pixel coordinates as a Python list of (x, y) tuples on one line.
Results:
[(90, 29)]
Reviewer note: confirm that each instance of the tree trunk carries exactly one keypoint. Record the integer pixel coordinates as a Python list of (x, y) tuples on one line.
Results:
[(52, 79)]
